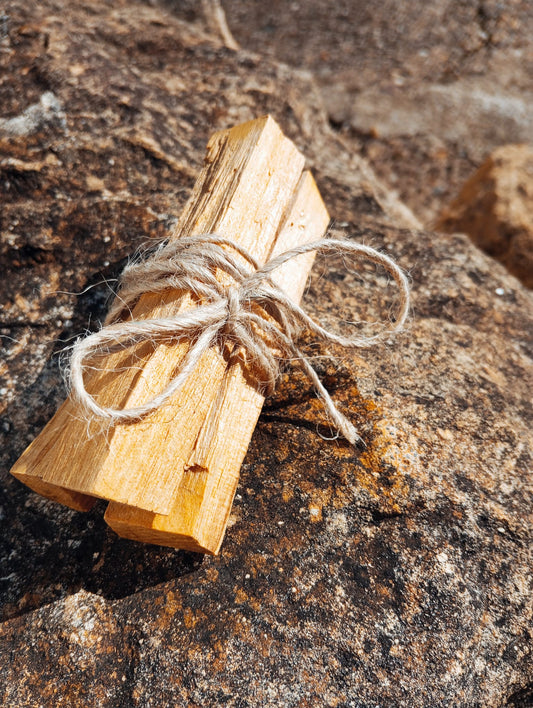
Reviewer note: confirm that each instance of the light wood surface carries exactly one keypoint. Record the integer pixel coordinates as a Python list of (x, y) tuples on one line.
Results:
[(203, 500), (243, 192)]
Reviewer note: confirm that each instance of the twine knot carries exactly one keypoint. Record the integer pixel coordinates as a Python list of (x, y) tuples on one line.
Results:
[(243, 309), (233, 305)]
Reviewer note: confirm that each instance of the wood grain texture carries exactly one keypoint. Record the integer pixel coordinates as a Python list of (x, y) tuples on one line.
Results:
[(204, 497), (245, 188)]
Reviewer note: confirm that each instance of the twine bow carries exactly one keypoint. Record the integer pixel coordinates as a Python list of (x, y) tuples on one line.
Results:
[(252, 314)]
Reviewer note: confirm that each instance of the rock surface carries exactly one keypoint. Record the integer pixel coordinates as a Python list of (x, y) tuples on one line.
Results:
[(495, 208), (425, 90), (398, 574)]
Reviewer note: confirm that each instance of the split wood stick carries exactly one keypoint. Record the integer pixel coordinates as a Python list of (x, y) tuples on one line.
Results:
[(244, 190), (204, 497)]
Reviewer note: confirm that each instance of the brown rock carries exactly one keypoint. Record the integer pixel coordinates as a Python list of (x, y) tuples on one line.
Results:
[(70, 647), (398, 574), (425, 90), (495, 208)]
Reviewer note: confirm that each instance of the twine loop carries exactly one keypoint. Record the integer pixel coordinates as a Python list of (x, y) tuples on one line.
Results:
[(252, 315)]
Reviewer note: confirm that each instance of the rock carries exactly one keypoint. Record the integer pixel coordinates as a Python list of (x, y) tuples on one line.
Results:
[(425, 90), (398, 574), (47, 112), (495, 208), (73, 644)]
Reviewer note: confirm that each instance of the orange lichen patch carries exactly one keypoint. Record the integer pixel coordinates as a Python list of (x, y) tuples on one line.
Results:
[(319, 498), (264, 645), (220, 660), (284, 544), (240, 597), (257, 561), (255, 604), (392, 490), (383, 592), (172, 604), (211, 575), (190, 618), (287, 493), (388, 454)]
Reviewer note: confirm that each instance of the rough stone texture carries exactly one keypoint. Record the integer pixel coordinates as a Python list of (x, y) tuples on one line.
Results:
[(425, 89), (398, 574), (495, 208), (72, 645)]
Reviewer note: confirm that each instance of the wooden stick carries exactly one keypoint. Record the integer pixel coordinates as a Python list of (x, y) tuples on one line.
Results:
[(203, 501), (243, 192)]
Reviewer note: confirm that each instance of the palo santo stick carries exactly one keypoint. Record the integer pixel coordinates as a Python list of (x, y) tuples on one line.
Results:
[(203, 501), (242, 193), (66, 439)]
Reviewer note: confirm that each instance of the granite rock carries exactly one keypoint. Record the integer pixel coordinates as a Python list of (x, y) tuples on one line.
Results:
[(73, 645), (495, 208), (396, 574), (425, 90)]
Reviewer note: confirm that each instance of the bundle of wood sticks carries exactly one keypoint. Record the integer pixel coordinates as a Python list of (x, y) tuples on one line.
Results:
[(170, 477)]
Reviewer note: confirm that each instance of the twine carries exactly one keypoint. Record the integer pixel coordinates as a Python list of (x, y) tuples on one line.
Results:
[(253, 314)]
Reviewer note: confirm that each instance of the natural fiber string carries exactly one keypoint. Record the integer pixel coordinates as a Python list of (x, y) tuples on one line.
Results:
[(253, 314)]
